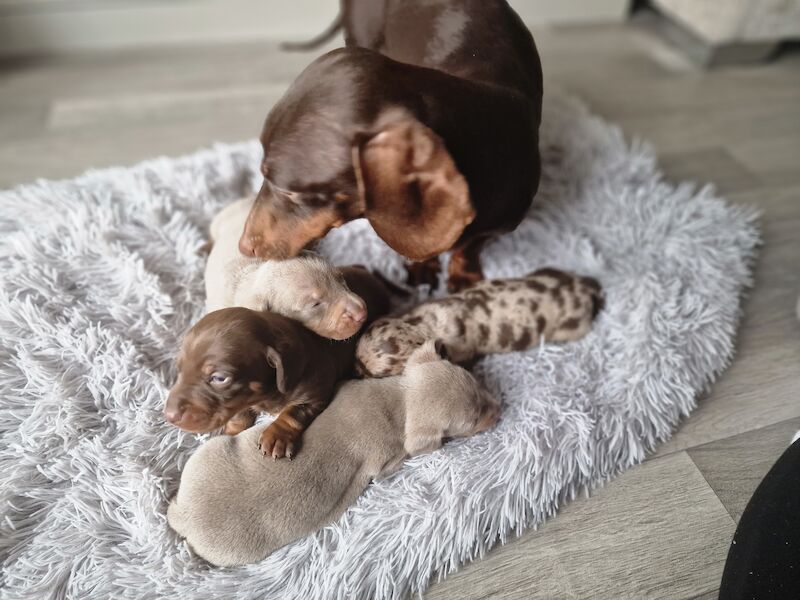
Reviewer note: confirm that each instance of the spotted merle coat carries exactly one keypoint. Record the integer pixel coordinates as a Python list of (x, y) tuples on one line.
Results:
[(499, 315)]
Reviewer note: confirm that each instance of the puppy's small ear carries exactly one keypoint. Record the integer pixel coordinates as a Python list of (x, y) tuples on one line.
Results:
[(427, 352), (412, 192), (286, 378)]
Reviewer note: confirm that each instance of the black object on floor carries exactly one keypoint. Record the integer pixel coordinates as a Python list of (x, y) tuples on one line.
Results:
[(764, 557)]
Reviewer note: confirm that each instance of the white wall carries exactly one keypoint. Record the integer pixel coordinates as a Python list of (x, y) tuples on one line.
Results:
[(37, 26)]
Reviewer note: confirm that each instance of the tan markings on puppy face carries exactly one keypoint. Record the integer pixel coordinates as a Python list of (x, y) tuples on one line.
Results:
[(221, 360), (279, 237)]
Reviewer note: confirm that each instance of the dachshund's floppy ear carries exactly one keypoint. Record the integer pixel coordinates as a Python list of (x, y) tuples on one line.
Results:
[(413, 194), (287, 375)]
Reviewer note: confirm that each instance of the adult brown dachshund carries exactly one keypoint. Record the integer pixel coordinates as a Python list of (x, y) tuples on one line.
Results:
[(236, 361), (426, 124)]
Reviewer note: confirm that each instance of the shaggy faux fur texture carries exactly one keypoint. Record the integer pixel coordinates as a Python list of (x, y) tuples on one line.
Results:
[(101, 276)]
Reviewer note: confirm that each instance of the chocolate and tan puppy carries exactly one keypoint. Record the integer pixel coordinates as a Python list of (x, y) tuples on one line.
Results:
[(426, 124), (236, 361), (234, 508), (306, 288), (499, 315)]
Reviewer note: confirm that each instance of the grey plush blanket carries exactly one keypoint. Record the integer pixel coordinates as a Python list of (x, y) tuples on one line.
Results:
[(101, 275)]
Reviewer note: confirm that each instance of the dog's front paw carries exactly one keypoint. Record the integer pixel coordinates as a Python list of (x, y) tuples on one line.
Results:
[(279, 441)]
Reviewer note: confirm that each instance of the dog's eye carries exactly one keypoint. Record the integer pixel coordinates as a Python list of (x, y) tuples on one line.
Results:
[(219, 379), (315, 299)]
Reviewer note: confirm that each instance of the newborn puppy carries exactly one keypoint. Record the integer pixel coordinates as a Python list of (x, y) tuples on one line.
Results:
[(307, 288), (234, 508), (500, 315), (236, 361)]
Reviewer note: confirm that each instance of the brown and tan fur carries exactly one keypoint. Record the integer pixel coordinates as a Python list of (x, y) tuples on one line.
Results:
[(426, 124), (236, 361), (307, 287), (235, 508), (499, 315)]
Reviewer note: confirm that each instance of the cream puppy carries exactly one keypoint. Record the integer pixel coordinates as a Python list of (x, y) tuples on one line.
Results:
[(234, 506), (306, 288)]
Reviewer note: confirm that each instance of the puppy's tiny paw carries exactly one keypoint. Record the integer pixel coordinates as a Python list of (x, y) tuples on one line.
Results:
[(278, 442)]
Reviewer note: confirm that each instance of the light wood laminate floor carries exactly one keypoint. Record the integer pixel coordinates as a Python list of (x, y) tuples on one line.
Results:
[(662, 529)]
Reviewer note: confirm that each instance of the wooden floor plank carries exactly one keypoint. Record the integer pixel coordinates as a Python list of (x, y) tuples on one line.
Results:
[(657, 531), (632, 74), (775, 159), (734, 466), (679, 130), (709, 165), (54, 154), (712, 595)]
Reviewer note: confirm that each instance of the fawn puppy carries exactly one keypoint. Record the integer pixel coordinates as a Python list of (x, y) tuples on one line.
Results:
[(233, 507)]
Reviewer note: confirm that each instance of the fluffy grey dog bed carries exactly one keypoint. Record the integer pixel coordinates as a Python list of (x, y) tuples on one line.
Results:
[(101, 276)]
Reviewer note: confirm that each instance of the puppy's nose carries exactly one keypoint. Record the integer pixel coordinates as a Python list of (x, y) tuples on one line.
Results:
[(173, 415), (357, 314), (247, 245), (355, 309)]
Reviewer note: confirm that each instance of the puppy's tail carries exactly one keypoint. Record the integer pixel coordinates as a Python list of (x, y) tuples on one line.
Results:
[(313, 43)]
